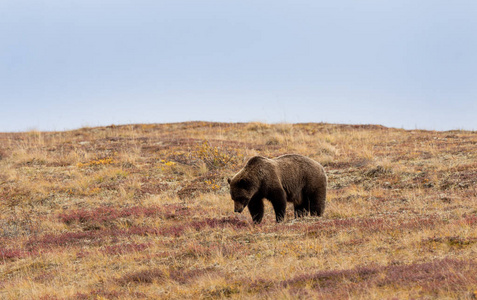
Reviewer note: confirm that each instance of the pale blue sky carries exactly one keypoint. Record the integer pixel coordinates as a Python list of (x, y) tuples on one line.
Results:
[(400, 63)]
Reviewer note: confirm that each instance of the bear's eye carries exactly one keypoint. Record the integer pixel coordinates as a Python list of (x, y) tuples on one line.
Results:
[(242, 200), (243, 183)]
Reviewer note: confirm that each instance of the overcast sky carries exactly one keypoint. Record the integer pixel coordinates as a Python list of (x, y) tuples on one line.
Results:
[(68, 64)]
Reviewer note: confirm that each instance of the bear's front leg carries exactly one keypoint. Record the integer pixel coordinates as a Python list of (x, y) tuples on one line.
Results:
[(279, 202), (255, 207)]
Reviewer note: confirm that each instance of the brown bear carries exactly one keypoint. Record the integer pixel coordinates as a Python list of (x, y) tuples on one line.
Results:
[(293, 178)]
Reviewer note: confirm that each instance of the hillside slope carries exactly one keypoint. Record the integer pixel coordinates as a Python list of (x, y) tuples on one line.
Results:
[(143, 211)]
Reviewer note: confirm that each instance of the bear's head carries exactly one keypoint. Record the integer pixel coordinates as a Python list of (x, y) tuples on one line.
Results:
[(242, 190)]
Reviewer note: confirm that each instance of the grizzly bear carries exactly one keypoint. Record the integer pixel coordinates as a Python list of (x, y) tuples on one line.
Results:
[(293, 178)]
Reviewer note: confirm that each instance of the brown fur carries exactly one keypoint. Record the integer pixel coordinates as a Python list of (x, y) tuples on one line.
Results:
[(293, 178)]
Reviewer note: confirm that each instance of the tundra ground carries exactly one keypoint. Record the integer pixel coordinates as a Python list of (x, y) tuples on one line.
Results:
[(143, 211)]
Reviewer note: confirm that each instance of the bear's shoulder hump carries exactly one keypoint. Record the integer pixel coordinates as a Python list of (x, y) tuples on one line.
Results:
[(256, 160)]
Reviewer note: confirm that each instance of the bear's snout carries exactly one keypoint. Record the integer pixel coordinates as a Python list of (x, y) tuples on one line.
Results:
[(238, 207)]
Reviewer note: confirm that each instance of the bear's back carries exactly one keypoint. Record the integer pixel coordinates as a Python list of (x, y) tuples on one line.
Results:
[(298, 170), (298, 160)]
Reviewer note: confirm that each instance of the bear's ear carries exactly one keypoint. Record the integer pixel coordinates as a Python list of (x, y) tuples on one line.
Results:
[(228, 180)]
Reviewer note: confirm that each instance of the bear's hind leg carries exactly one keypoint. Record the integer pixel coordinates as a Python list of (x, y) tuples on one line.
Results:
[(317, 202), (303, 207), (300, 212)]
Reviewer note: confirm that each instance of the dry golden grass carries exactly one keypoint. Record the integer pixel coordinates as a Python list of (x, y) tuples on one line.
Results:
[(143, 211)]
